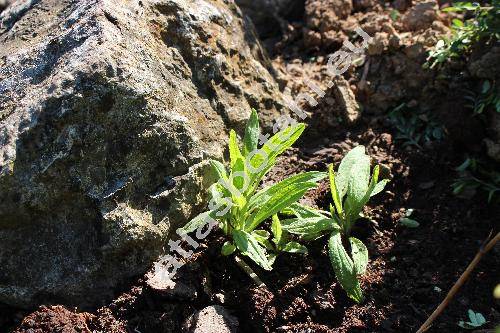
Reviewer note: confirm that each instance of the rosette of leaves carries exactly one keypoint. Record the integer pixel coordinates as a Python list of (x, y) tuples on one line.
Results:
[(351, 189), (246, 207)]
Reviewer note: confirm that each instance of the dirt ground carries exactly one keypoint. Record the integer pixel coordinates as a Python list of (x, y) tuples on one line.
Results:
[(410, 269)]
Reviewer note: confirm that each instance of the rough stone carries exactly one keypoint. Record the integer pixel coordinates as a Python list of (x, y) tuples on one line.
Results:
[(421, 16), (212, 319), (347, 100), (108, 110), (269, 15)]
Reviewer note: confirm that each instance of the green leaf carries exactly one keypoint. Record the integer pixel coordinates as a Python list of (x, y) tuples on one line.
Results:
[(197, 222), (251, 248), (337, 200), (353, 207), (359, 179), (234, 150), (344, 267), (252, 131), (294, 247), (238, 174), (309, 228), (264, 195), (285, 196), (276, 229), (409, 223), (457, 23), (486, 87), (219, 169), (359, 255), (276, 145), (344, 173), (379, 187), (261, 233), (303, 211), (228, 248)]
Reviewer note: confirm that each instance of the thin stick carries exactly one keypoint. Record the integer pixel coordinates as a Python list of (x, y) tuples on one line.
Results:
[(243, 265), (465, 275)]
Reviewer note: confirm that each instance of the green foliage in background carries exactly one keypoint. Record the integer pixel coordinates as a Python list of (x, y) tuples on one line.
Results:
[(483, 26), (477, 175), (415, 128), (486, 98)]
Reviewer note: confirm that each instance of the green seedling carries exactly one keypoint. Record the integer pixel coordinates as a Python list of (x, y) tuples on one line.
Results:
[(351, 189), (240, 209), (476, 320), (408, 222)]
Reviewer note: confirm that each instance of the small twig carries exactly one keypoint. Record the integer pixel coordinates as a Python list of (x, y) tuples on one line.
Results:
[(366, 69), (243, 265), (465, 275)]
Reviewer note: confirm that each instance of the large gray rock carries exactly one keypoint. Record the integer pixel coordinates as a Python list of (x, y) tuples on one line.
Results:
[(107, 111)]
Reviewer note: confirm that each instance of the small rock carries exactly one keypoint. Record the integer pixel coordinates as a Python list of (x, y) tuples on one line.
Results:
[(179, 288), (219, 298), (386, 139), (347, 100), (212, 319), (421, 16)]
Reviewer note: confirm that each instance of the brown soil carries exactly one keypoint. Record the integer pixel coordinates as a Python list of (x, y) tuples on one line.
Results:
[(410, 270)]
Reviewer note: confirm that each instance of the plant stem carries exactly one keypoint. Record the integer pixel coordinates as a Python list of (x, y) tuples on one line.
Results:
[(247, 269), (482, 251)]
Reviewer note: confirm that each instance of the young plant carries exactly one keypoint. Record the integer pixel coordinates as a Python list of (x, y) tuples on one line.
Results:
[(351, 188), (415, 128), (236, 205), (476, 320)]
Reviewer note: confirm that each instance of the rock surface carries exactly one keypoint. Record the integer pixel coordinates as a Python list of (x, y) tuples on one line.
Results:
[(107, 111), (269, 15), (212, 319)]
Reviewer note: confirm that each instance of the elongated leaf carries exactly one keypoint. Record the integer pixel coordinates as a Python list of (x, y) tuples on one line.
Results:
[(238, 174), (359, 255), (252, 131), (345, 169), (304, 212), (344, 267), (261, 197), (359, 179), (276, 229), (261, 233), (353, 207), (219, 169), (251, 248), (309, 228), (234, 150), (281, 199), (197, 222), (294, 247), (215, 191), (409, 223), (379, 187), (228, 248), (333, 190), (260, 164)]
